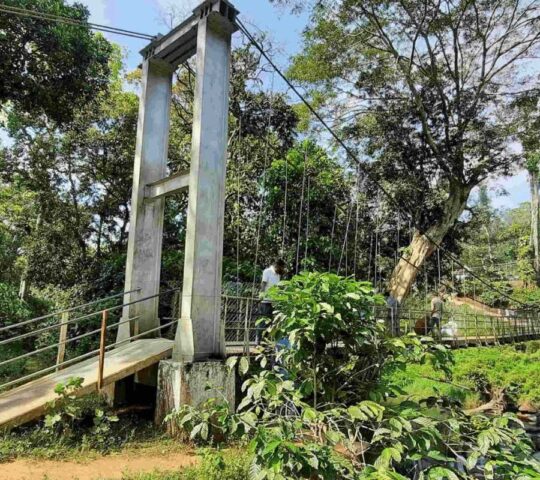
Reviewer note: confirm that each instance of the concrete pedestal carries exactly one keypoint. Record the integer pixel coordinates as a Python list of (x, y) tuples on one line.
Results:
[(187, 383)]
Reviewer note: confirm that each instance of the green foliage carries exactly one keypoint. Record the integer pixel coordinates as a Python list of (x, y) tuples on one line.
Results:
[(69, 414), (527, 296), (337, 347), (12, 308), (71, 423), (279, 455), (48, 67), (212, 422), (215, 465), (514, 368), (306, 429)]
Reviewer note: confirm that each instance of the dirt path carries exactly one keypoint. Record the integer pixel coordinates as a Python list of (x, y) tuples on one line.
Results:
[(109, 467), (478, 306)]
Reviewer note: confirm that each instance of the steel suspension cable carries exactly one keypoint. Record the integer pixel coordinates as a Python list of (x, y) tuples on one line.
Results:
[(285, 206), (370, 255), (38, 15), (262, 208), (238, 218), (349, 214), (353, 156), (357, 194), (332, 238), (307, 221), (299, 235)]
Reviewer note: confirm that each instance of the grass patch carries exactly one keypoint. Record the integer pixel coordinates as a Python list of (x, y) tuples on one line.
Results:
[(515, 367), (215, 465), (131, 434)]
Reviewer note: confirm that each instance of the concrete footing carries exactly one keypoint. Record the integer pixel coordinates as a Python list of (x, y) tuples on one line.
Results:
[(192, 384)]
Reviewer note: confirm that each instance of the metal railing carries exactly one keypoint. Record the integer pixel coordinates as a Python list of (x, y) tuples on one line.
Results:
[(63, 340), (464, 327), (242, 317), (244, 327)]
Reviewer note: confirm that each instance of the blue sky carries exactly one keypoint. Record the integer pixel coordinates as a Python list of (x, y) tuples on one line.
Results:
[(148, 16)]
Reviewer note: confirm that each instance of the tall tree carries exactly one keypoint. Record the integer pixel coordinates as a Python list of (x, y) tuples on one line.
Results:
[(420, 88), (50, 67), (75, 178), (528, 127)]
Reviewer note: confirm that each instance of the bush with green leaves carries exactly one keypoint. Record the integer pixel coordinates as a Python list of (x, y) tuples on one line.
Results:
[(212, 422), (478, 372), (71, 416), (317, 419), (337, 346), (12, 308)]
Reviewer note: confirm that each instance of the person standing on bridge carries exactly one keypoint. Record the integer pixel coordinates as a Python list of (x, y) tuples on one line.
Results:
[(270, 277), (437, 304), (392, 321)]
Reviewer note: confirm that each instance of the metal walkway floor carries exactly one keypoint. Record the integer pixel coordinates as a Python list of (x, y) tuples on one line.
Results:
[(29, 401)]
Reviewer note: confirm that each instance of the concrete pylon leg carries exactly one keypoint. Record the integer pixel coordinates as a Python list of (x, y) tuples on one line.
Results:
[(146, 220), (198, 336)]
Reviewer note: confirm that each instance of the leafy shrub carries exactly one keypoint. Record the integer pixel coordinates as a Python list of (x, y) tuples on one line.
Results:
[(308, 429), (315, 418), (71, 422), (12, 308), (529, 296), (212, 422), (515, 368), (337, 347), (70, 416)]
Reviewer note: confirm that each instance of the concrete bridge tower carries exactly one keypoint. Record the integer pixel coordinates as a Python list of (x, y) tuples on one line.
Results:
[(199, 338)]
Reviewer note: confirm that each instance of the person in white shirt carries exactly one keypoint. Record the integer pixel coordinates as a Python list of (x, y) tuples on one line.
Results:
[(270, 277)]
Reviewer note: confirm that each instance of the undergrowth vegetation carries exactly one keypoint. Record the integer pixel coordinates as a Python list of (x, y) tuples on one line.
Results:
[(320, 401), (72, 426), (327, 398), (215, 465), (516, 368)]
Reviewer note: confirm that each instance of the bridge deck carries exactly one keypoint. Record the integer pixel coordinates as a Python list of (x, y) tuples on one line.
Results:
[(29, 401)]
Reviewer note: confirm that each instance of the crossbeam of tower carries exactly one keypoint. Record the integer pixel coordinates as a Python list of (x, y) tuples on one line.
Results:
[(206, 34)]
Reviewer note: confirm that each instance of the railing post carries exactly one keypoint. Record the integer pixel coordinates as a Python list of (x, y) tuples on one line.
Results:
[(62, 339), (225, 303), (246, 329), (101, 365), (495, 340)]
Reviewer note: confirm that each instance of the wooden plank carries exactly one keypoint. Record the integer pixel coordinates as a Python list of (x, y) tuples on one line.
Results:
[(62, 339), (29, 402)]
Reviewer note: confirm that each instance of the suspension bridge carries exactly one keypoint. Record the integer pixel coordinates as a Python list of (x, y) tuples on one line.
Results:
[(140, 337), (24, 398)]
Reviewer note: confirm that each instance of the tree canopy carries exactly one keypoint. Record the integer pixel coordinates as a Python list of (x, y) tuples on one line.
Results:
[(50, 68), (421, 90)]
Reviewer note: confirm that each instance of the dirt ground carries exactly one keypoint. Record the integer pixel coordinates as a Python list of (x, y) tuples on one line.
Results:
[(108, 467)]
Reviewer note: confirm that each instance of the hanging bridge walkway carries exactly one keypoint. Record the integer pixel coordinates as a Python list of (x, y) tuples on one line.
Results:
[(82, 342)]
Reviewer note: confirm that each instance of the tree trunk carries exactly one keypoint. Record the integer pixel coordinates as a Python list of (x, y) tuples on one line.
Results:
[(24, 283), (535, 203), (422, 246)]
